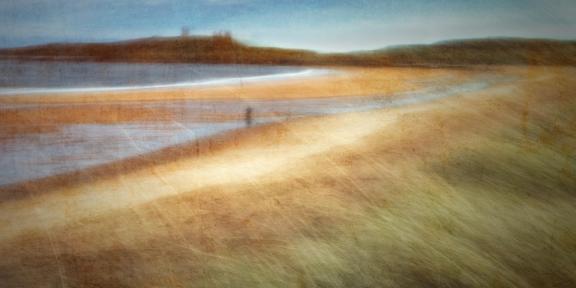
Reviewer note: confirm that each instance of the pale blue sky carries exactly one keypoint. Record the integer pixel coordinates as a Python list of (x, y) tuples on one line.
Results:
[(321, 25)]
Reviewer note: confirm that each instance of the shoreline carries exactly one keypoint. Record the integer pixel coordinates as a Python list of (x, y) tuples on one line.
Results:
[(340, 82), (311, 72)]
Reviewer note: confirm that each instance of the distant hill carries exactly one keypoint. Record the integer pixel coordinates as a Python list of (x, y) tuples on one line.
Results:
[(491, 51), (225, 50), (214, 49)]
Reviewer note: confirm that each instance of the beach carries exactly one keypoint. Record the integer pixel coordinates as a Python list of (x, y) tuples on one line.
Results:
[(47, 138), (295, 198), (336, 82)]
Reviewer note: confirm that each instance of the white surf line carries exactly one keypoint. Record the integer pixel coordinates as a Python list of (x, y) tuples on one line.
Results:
[(201, 83)]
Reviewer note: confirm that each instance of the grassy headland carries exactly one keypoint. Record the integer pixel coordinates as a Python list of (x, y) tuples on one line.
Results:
[(226, 50)]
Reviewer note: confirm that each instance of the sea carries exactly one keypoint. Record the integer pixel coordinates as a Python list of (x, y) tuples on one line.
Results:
[(38, 77)]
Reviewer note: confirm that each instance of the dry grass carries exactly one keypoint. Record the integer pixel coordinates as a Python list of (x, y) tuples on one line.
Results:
[(476, 191)]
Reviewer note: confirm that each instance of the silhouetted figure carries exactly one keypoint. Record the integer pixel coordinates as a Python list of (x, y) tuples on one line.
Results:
[(248, 116)]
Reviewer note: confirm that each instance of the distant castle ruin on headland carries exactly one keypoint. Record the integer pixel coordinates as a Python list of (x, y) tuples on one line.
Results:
[(222, 34), (221, 38)]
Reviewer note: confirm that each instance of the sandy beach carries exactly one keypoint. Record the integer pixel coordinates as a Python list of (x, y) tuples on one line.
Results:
[(106, 107), (47, 123), (256, 199), (49, 137), (223, 158)]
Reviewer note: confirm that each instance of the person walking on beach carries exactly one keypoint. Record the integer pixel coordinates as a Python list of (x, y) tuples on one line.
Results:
[(248, 116)]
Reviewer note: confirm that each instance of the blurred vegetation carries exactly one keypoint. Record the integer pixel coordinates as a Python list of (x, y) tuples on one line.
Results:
[(495, 210)]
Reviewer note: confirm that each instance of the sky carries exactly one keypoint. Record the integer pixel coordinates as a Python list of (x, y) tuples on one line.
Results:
[(320, 25)]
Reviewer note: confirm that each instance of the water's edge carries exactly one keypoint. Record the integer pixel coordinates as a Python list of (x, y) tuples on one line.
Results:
[(187, 84)]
